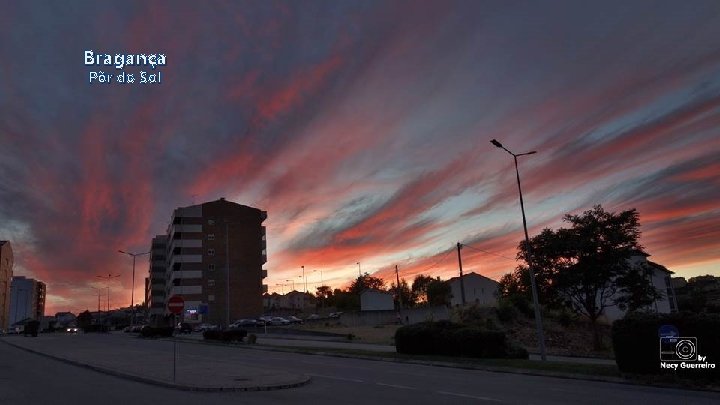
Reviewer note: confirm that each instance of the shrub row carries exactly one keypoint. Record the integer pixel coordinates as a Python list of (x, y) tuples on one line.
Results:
[(452, 339), (227, 335), (636, 342)]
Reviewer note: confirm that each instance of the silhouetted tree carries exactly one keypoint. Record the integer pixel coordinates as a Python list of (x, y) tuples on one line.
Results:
[(439, 292), (324, 292), (419, 287), (406, 293), (585, 267), (366, 282)]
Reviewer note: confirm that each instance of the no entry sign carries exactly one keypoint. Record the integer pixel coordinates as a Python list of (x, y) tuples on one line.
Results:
[(176, 304)]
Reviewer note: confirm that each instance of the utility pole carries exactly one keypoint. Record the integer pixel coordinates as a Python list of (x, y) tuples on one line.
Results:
[(399, 292), (462, 283)]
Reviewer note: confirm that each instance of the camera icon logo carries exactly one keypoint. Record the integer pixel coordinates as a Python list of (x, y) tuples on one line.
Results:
[(678, 349)]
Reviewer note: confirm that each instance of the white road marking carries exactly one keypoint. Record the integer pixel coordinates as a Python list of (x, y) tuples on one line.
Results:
[(469, 396), (402, 387), (337, 378)]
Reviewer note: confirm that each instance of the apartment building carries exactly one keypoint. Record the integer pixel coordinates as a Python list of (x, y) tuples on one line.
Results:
[(6, 274), (27, 299), (215, 253), (156, 286)]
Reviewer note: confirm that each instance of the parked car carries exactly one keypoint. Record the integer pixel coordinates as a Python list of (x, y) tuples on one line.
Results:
[(279, 320), (184, 327), (294, 319), (335, 315), (243, 323), (313, 317), (205, 326)]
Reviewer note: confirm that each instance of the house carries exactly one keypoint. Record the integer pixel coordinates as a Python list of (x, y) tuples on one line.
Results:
[(376, 300), (659, 277), (479, 290)]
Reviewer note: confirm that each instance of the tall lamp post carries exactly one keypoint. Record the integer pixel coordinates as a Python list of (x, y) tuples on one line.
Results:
[(359, 272), (533, 284), (303, 276), (132, 292), (293, 284), (108, 277)]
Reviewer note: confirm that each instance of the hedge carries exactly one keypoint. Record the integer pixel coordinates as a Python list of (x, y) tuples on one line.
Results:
[(637, 344), (452, 339)]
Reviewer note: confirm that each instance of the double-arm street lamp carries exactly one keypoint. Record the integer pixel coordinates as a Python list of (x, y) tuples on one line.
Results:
[(132, 292), (536, 304)]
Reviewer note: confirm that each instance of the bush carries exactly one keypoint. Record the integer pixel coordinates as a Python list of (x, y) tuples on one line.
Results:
[(637, 346), (507, 312), (452, 339), (156, 331)]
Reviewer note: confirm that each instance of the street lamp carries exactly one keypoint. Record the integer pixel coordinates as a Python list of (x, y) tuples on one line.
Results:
[(359, 272), (536, 303), (293, 283), (303, 276), (132, 292), (108, 277)]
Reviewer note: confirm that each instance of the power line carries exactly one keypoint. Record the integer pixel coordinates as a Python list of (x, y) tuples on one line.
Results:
[(438, 261), (485, 251)]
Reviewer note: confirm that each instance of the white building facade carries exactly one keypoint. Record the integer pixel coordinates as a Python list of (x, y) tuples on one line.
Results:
[(479, 290)]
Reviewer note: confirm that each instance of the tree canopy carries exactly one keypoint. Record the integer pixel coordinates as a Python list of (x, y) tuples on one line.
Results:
[(585, 267)]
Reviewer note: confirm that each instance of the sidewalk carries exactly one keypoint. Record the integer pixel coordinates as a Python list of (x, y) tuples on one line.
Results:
[(198, 368)]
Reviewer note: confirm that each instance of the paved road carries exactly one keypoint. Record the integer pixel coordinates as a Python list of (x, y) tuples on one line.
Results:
[(29, 379)]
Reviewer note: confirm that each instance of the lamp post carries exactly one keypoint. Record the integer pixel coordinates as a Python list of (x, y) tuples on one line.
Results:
[(533, 284), (293, 284), (359, 272), (303, 276), (108, 277), (132, 292)]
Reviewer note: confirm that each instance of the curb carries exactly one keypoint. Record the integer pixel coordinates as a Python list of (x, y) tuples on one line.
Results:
[(132, 377)]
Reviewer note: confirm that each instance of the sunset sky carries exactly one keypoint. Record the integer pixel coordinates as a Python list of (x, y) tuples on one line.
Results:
[(363, 129)]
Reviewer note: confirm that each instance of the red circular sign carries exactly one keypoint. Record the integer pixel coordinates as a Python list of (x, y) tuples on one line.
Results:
[(176, 304)]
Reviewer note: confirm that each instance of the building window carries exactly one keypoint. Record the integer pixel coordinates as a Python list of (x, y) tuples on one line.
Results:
[(211, 283), (211, 236), (211, 252), (211, 298), (211, 267), (211, 222)]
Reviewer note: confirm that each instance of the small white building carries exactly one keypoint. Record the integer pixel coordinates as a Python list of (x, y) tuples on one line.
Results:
[(660, 278), (375, 300), (479, 290)]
